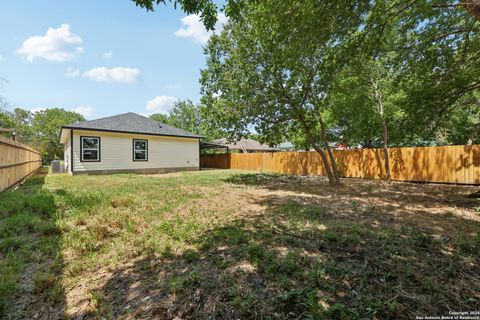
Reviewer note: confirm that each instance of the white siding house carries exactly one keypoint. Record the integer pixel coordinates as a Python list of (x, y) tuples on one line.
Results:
[(128, 143)]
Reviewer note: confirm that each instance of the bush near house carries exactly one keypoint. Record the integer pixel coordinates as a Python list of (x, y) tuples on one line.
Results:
[(225, 244)]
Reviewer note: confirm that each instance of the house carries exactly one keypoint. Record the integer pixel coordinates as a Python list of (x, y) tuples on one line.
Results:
[(243, 145), (285, 146), (128, 143)]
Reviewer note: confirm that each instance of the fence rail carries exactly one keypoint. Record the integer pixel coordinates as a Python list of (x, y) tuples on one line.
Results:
[(17, 162), (448, 164)]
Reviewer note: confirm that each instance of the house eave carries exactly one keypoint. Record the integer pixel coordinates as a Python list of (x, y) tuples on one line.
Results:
[(134, 132)]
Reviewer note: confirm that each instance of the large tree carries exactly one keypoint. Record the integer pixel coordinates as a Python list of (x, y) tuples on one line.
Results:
[(208, 9), (188, 116), (46, 125), (366, 109), (436, 44), (273, 68), (20, 120)]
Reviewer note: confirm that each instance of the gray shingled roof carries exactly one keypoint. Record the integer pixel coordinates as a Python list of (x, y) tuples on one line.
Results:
[(243, 144), (134, 123)]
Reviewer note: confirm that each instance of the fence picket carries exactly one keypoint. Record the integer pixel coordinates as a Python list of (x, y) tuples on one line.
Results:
[(17, 161), (446, 164)]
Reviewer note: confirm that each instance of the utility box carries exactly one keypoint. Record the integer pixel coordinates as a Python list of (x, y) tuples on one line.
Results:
[(57, 166)]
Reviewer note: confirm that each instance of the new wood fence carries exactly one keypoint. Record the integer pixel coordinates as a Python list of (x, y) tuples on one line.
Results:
[(17, 161), (450, 164)]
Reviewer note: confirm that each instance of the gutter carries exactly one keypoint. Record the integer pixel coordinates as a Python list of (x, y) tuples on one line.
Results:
[(134, 132)]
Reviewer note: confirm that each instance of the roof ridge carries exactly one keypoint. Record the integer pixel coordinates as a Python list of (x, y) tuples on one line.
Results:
[(132, 122), (122, 114)]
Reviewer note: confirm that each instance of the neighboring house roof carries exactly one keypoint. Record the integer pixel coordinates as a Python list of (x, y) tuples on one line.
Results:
[(131, 123), (287, 145), (243, 144)]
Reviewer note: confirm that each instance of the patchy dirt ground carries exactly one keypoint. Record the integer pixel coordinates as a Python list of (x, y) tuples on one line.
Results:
[(225, 244)]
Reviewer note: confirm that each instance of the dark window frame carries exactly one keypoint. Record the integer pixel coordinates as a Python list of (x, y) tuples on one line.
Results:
[(133, 150), (81, 149)]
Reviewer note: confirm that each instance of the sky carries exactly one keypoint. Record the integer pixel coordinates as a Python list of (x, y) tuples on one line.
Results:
[(99, 58)]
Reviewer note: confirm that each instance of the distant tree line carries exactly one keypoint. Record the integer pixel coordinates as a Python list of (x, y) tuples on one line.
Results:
[(190, 117), (40, 130)]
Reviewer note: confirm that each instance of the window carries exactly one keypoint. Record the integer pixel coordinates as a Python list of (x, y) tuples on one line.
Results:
[(140, 150), (90, 149)]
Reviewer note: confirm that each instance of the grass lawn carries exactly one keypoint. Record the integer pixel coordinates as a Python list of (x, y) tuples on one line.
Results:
[(226, 244)]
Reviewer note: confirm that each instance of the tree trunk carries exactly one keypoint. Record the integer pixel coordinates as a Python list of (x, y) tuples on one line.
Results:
[(380, 108), (385, 150), (330, 153), (326, 165)]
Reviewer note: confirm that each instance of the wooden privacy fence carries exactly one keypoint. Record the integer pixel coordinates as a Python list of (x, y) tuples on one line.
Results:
[(450, 164), (17, 161)]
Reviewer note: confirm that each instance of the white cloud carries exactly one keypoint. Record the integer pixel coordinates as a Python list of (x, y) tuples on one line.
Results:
[(85, 111), (118, 74), (1, 58), (161, 104), (194, 28), (56, 45), (108, 54), (72, 72), (35, 110)]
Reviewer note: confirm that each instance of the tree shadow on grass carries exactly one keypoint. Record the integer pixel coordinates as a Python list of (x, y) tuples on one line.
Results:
[(403, 192), (29, 247), (300, 260)]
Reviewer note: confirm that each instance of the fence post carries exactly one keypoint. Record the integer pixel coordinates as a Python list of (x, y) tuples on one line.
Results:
[(447, 164)]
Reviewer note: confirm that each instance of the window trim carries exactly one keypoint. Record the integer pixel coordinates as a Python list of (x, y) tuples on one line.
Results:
[(81, 149), (133, 150)]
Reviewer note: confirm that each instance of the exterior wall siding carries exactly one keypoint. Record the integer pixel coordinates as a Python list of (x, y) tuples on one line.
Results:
[(116, 152), (66, 154)]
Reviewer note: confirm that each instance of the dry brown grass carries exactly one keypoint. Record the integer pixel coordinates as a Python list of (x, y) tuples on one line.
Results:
[(223, 244)]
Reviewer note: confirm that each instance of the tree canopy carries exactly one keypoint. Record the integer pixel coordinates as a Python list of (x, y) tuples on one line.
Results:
[(272, 69), (284, 67), (41, 129), (188, 116), (206, 9)]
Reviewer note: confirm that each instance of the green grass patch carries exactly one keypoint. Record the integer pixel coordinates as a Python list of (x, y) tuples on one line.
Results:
[(223, 244)]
